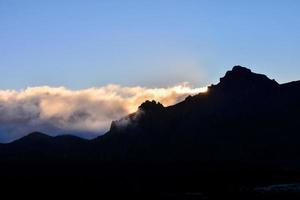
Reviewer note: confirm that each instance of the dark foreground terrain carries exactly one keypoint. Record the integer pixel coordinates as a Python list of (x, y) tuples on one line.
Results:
[(240, 140), (167, 180)]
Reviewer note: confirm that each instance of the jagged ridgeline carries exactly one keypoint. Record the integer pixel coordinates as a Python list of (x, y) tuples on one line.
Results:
[(245, 117)]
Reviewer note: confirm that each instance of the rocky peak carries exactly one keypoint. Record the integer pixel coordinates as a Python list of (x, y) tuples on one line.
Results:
[(151, 106), (243, 79)]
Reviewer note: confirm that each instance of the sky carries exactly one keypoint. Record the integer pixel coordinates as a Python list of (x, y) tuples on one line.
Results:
[(157, 43), (72, 46)]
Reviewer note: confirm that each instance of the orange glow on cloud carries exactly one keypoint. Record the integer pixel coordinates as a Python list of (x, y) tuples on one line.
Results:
[(90, 110)]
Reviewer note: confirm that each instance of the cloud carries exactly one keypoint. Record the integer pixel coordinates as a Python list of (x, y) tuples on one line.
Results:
[(86, 113)]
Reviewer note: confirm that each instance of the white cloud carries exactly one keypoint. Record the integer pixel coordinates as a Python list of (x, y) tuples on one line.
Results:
[(87, 112)]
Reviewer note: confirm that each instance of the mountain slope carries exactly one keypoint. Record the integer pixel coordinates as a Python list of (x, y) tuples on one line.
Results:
[(244, 132), (245, 117)]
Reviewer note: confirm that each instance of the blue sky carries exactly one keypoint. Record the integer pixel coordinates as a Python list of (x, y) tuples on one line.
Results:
[(85, 43)]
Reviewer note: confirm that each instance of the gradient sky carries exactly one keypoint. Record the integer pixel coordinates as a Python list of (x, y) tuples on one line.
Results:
[(84, 43)]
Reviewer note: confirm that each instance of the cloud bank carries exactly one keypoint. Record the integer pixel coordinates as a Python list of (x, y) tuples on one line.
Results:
[(86, 113)]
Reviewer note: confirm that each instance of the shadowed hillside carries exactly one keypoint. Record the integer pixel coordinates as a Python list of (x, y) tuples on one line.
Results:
[(243, 132)]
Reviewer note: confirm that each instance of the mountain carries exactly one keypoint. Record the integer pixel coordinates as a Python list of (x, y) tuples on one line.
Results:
[(243, 130), (246, 116)]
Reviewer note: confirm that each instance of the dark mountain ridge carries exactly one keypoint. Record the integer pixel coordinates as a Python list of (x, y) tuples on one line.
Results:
[(246, 116), (242, 131)]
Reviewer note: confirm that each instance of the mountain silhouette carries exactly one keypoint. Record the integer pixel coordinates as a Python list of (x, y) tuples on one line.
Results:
[(243, 125), (246, 116)]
